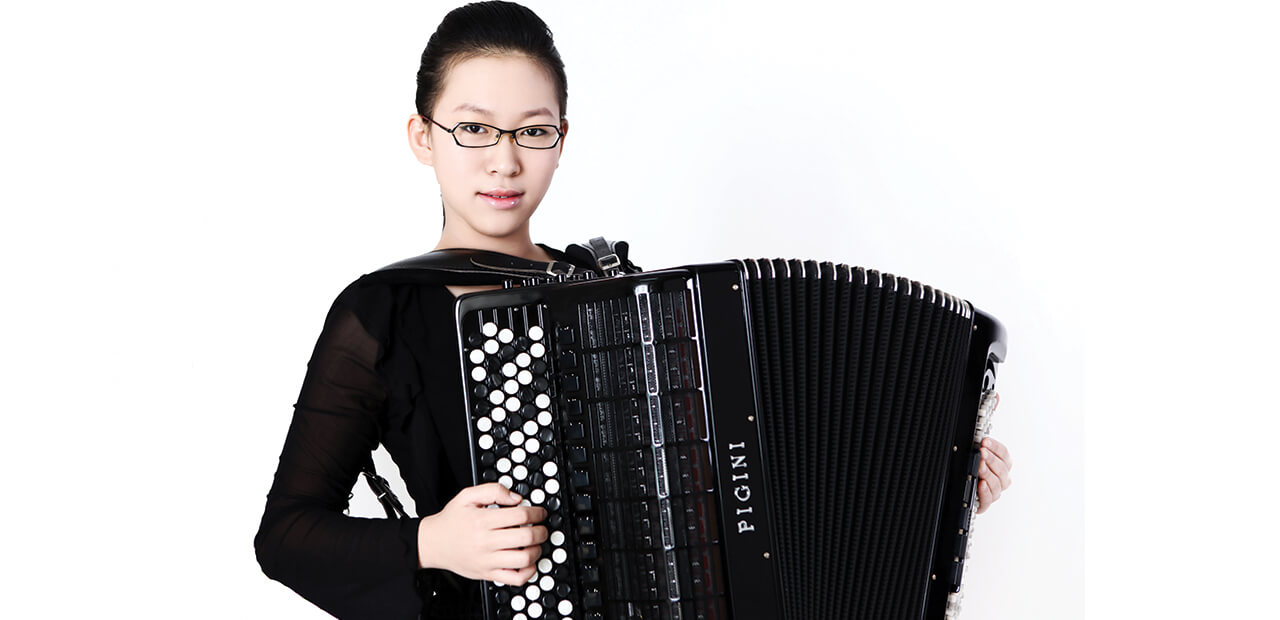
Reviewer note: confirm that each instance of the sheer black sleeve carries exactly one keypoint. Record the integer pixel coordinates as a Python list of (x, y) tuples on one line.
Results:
[(350, 567)]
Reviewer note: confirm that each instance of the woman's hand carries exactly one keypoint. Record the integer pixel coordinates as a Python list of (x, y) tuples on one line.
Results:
[(993, 475), (478, 542)]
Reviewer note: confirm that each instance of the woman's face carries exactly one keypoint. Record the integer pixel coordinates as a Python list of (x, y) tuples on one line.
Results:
[(490, 193)]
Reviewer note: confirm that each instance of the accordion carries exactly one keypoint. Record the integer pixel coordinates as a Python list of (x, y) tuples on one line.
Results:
[(748, 439)]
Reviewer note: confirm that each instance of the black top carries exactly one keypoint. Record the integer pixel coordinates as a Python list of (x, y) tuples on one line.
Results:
[(384, 370)]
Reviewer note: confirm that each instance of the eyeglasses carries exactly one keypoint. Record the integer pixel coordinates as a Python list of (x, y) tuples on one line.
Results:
[(480, 135)]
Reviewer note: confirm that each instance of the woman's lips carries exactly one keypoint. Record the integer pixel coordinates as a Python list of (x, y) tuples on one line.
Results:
[(502, 199)]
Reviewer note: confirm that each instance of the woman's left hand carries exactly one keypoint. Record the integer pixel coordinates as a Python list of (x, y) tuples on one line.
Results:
[(993, 475)]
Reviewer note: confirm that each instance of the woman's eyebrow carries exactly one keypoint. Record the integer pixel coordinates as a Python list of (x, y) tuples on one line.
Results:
[(471, 107)]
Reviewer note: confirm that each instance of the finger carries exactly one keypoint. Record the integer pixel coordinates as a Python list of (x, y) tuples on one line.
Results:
[(488, 494), (511, 577), (516, 559), (995, 470), (517, 515), (519, 537), (986, 496), (1000, 449)]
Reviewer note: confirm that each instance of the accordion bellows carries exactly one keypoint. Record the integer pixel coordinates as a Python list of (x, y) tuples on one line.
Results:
[(750, 439)]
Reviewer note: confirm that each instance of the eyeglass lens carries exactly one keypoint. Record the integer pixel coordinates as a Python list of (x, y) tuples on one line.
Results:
[(479, 134)]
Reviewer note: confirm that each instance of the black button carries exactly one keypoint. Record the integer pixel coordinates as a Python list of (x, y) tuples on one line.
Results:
[(545, 435), (540, 384), (487, 458), (592, 599), (538, 367), (573, 407), (479, 392), (528, 411), (553, 503), (475, 339), (538, 479), (587, 551), (489, 475), (555, 520), (586, 526), (568, 359), (506, 353), (575, 431), (577, 454), (502, 596), (590, 573), (580, 479), (522, 488), (547, 452), (571, 383), (582, 503), (562, 590)]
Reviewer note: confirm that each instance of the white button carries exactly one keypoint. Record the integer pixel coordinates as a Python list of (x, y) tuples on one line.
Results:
[(522, 360), (517, 456), (513, 404), (532, 592), (485, 442), (511, 386), (516, 438), (535, 333), (478, 373), (544, 418), (547, 583), (550, 468), (496, 397), (489, 329), (559, 555), (509, 369), (535, 610), (565, 607), (498, 414), (476, 356), (537, 350), (491, 346), (504, 465), (542, 401), (517, 602), (557, 538), (531, 445), (520, 472), (544, 565), (506, 481), (484, 424), (505, 336), (519, 617), (530, 427), (534, 577), (538, 496), (552, 486), (524, 377)]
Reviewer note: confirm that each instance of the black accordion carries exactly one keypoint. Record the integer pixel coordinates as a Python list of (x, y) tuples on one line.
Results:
[(748, 439)]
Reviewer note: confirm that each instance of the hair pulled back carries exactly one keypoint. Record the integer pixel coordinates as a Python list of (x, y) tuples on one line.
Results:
[(487, 29)]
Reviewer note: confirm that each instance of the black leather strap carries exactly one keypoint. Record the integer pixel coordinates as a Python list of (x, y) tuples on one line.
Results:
[(460, 266)]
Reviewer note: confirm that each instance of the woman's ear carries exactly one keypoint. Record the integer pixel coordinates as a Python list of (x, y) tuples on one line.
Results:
[(420, 139), (564, 133)]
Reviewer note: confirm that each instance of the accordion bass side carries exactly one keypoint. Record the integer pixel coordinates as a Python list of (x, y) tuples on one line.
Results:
[(748, 439)]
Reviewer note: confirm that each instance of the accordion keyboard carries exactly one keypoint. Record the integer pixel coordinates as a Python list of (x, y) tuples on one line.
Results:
[(512, 427)]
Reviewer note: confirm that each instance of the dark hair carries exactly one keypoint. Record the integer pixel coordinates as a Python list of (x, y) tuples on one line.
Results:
[(487, 29)]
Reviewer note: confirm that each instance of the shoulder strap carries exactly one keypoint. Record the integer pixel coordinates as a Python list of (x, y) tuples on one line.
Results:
[(608, 258), (460, 266)]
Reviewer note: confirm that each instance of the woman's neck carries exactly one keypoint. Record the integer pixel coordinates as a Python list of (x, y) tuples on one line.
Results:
[(520, 245)]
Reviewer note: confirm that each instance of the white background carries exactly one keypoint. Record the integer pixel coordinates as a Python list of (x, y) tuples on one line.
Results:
[(186, 187)]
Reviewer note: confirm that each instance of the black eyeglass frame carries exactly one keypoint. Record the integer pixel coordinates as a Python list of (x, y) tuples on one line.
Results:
[(514, 135)]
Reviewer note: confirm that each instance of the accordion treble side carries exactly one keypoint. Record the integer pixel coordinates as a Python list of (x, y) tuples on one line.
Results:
[(749, 439)]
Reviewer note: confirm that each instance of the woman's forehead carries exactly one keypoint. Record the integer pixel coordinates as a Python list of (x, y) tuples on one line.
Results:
[(498, 88)]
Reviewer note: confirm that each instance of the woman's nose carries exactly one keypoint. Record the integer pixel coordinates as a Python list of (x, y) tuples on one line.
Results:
[(504, 157)]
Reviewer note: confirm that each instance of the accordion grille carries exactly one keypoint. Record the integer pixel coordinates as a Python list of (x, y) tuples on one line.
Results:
[(860, 376)]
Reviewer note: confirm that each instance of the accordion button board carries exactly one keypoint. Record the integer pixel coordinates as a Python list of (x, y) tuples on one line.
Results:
[(704, 440)]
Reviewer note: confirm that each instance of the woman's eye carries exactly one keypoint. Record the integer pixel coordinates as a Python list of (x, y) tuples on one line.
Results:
[(535, 132), (475, 129)]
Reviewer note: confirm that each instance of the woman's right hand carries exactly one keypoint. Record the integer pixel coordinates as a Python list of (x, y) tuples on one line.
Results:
[(478, 542)]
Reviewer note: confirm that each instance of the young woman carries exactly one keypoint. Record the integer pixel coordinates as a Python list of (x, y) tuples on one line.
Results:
[(491, 123)]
